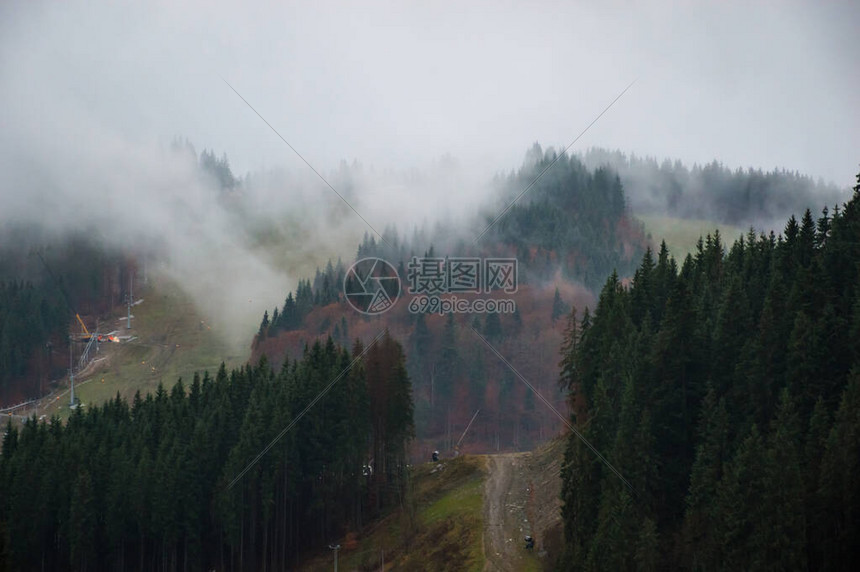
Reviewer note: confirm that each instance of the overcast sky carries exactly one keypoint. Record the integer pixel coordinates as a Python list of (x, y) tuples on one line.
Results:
[(397, 84)]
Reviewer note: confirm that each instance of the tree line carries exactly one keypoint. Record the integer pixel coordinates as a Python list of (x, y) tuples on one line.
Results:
[(30, 317), (573, 218), (214, 170), (713, 191), (726, 395), (147, 485)]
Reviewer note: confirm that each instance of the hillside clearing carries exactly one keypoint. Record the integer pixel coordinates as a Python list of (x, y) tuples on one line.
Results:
[(172, 340), (681, 234)]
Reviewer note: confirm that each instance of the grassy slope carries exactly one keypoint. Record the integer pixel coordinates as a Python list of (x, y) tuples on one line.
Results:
[(442, 529), (681, 234), (171, 343)]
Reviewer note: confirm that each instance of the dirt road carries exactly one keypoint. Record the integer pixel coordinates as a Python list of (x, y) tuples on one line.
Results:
[(505, 522), (521, 497)]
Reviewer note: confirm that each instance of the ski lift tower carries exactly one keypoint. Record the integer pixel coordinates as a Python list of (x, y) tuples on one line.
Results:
[(335, 548), (72, 401), (129, 297)]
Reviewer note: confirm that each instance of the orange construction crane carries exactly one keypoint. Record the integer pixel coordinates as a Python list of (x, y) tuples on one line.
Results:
[(86, 332)]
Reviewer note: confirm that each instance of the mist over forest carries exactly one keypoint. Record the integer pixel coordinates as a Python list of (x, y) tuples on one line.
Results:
[(465, 287)]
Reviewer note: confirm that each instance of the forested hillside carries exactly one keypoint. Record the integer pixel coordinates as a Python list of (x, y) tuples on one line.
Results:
[(146, 485), (572, 220), (569, 231), (726, 393), (453, 372), (30, 317)]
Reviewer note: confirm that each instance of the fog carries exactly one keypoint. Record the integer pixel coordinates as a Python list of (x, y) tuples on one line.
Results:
[(430, 101)]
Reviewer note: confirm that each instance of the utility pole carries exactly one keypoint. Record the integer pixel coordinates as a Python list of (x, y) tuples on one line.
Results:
[(448, 441), (71, 375), (129, 295), (335, 547), (467, 427)]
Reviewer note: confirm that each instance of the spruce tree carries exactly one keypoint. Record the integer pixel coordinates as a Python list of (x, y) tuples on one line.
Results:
[(837, 489)]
